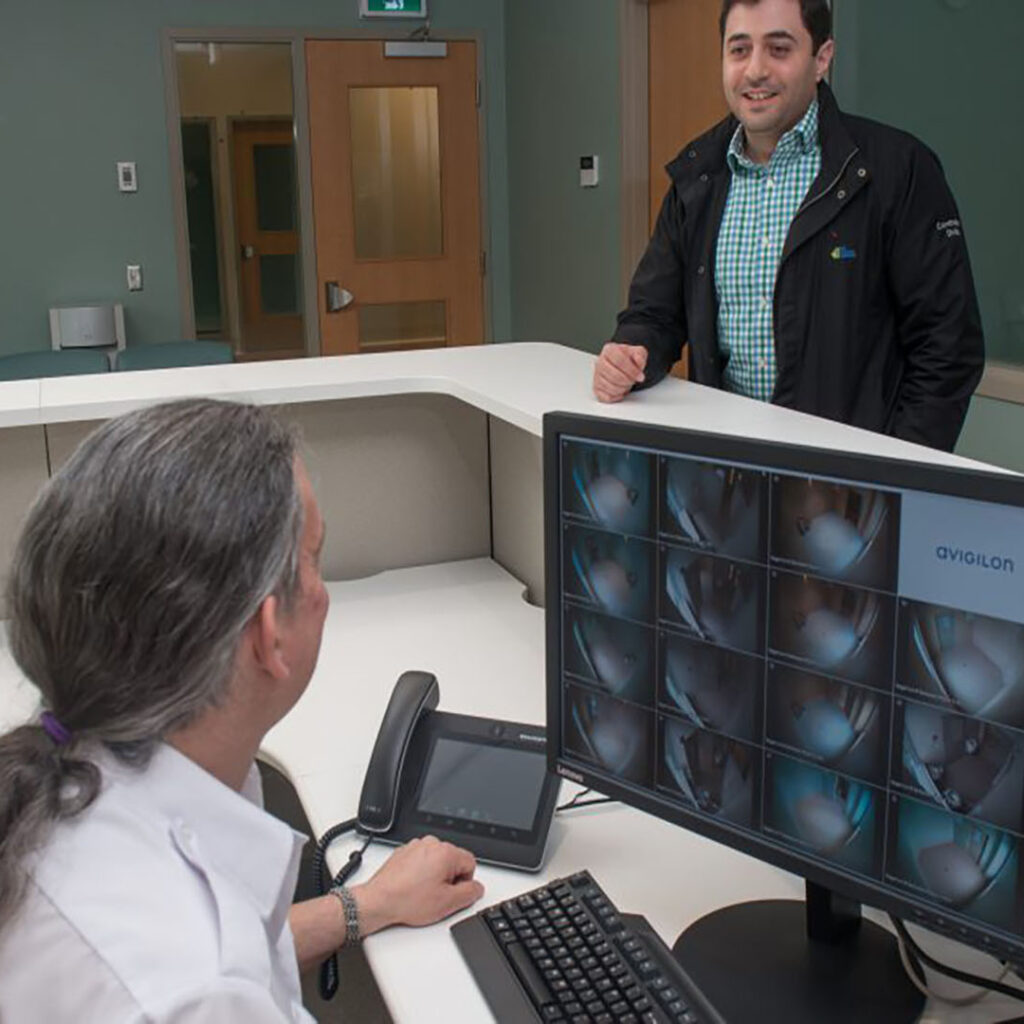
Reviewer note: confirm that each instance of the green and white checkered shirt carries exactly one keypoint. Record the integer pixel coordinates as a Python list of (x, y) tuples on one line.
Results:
[(763, 200)]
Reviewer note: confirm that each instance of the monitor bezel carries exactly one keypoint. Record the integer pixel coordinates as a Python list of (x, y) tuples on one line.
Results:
[(954, 481)]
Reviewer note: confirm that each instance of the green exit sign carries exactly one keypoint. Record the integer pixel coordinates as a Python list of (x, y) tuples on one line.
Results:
[(393, 8)]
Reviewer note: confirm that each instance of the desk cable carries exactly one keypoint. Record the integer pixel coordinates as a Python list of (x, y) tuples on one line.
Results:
[(913, 956), (329, 968), (577, 801)]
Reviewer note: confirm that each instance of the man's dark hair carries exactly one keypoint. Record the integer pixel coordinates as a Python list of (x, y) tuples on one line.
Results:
[(816, 15)]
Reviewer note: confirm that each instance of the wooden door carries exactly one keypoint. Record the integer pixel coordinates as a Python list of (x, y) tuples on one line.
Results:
[(685, 95), (396, 197), (685, 81), (266, 226)]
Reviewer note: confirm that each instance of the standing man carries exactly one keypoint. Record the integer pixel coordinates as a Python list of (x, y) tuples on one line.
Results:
[(810, 258)]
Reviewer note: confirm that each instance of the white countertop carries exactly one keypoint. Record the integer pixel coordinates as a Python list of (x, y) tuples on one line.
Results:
[(516, 382)]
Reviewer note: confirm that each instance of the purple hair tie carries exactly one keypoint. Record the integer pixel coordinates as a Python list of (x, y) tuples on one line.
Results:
[(59, 733)]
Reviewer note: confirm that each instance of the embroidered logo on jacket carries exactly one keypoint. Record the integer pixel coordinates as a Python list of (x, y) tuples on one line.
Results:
[(843, 254)]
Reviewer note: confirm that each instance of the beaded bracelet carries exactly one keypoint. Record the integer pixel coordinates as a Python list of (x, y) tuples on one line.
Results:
[(351, 911)]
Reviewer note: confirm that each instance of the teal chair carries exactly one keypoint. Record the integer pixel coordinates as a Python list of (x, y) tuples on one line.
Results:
[(65, 362), (174, 353)]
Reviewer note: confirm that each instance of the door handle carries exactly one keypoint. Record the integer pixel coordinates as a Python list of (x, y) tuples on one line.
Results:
[(336, 297), (248, 251)]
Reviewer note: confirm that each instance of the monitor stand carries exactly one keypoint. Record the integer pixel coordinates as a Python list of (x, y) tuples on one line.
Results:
[(802, 963)]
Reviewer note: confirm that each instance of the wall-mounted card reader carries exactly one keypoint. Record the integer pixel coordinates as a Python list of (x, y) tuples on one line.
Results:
[(588, 172)]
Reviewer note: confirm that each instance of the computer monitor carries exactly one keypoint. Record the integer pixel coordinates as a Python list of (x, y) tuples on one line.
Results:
[(813, 657)]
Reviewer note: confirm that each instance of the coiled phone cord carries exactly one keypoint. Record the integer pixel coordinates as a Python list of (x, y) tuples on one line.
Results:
[(329, 968)]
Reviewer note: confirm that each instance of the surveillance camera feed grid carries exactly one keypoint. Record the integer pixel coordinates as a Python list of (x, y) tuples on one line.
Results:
[(735, 645)]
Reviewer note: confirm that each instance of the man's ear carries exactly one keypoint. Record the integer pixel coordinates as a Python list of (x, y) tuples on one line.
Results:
[(265, 635), (823, 57)]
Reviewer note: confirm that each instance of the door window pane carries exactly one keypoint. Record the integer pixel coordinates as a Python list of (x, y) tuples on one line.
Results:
[(397, 325), (396, 172), (279, 284), (274, 171)]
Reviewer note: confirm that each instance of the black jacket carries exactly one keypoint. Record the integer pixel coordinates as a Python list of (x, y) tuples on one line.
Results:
[(876, 318)]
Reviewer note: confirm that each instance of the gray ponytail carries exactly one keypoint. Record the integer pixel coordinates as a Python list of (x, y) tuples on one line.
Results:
[(138, 568)]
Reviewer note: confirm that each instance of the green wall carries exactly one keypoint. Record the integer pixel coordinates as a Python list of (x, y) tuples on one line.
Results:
[(562, 84), (82, 86), (949, 75)]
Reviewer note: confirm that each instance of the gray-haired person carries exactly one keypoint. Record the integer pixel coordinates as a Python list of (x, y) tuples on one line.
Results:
[(166, 599)]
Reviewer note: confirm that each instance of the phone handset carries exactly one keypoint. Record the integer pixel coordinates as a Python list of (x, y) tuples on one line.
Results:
[(414, 695)]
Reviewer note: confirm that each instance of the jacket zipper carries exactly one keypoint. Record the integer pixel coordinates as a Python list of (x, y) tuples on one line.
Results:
[(835, 181), (804, 207)]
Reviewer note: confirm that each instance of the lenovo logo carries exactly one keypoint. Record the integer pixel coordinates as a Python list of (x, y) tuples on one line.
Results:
[(569, 774)]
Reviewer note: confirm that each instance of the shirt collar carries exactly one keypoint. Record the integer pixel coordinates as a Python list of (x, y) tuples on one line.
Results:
[(233, 833), (802, 138)]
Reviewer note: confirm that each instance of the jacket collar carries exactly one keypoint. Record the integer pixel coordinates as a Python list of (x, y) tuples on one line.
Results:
[(707, 155)]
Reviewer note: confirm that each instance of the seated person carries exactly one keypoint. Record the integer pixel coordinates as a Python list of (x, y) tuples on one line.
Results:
[(166, 599)]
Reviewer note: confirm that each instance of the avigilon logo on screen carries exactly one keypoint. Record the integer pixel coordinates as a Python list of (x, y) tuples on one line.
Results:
[(994, 563)]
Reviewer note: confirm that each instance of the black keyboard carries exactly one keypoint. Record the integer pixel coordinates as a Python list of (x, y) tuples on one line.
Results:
[(563, 952)]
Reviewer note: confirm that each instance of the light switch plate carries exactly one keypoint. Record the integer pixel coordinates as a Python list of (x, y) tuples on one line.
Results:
[(134, 277), (590, 173), (126, 178)]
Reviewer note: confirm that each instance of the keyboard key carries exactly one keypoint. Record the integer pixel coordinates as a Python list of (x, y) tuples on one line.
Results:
[(534, 984), (512, 911)]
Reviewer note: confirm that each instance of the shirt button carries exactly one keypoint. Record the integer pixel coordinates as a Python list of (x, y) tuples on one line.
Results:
[(701, 270), (765, 302), (767, 239), (769, 182)]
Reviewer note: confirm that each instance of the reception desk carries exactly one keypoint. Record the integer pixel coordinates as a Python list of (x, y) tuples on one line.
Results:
[(428, 470)]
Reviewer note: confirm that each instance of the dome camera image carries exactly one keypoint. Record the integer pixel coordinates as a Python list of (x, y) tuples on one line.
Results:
[(972, 663), (609, 486), (714, 774), (836, 530), (609, 572), (715, 599), (715, 508)]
